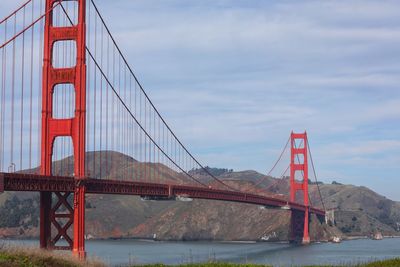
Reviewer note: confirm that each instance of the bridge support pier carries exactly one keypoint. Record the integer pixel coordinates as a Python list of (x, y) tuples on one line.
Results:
[(306, 233), (299, 227), (45, 224), (57, 216), (79, 222)]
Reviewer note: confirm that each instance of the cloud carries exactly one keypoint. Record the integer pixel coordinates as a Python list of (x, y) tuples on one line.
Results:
[(233, 78), (359, 149)]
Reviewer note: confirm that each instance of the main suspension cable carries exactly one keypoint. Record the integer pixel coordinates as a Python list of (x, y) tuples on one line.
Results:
[(128, 110), (315, 176), (15, 12), (30, 25), (276, 163), (151, 103)]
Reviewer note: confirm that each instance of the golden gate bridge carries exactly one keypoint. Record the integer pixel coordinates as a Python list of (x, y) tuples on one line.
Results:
[(67, 90)]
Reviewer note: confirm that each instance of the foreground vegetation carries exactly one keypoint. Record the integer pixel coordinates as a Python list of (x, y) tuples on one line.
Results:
[(30, 257), (385, 263), (23, 257)]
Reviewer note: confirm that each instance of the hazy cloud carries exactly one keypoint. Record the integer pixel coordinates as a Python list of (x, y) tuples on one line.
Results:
[(233, 78)]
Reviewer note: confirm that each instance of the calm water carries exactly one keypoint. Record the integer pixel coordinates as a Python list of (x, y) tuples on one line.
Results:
[(123, 252)]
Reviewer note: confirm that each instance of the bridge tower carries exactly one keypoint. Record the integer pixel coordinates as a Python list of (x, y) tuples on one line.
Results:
[(50, 216), (299, 163)]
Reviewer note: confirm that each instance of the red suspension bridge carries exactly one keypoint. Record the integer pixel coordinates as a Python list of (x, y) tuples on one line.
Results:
[(66, 91)]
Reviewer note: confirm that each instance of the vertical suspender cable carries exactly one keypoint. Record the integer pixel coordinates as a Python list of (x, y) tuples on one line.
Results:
[(94, 95), (154, 147), (22, 91), (130, 137), (73, 96), (119, 107), (126, 126), (88, 100), (101, 102), (124, 129), (54, 63), (136, 148), (107, 99), (315, 176), (113, 117), (66, 93), (163, 144), (3, 89), (158, 151), (40, 53), (12, 97), (119, 110), (145, 141), (63, 95), (149, 147), (141, 173), (72, 102), (31, 93)]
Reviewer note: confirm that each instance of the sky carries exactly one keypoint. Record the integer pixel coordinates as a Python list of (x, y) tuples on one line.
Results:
[(234, 78)]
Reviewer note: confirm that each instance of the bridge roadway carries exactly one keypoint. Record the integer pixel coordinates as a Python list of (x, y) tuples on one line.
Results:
[(40, 183)]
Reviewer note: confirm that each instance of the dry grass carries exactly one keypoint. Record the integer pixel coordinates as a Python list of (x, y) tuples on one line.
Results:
[(11, 256), (383, 263)]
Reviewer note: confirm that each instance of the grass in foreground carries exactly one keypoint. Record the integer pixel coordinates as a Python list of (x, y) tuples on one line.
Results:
[(207, 264), (384, 263), (31, 257)]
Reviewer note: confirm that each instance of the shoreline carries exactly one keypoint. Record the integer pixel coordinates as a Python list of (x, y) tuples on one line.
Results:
[(368, 237), (347, 238), (36, 257), (121, 252)]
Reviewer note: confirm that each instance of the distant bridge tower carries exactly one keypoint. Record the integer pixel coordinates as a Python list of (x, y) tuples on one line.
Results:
[(299, 164), (73, 127)]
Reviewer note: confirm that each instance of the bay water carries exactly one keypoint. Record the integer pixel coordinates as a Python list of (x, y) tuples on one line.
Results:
[(132, 252)]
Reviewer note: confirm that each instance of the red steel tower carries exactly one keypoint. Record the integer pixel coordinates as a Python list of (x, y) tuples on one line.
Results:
[(71, 127), (299, 163)]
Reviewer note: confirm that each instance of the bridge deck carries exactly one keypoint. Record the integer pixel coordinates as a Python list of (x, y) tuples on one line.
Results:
[(40, 183)]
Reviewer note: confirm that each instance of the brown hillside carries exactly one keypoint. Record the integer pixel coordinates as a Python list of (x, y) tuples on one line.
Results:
[(127, 216)]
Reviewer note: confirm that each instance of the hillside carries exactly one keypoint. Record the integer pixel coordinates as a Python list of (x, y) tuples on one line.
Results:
[(360, 210)]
